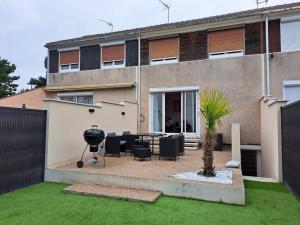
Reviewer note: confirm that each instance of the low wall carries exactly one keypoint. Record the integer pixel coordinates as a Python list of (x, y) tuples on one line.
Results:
[(271, 154), (67, 121)]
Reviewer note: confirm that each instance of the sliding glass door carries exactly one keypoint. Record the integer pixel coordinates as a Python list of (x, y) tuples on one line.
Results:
[(157, 112), (189, 112), (173, 112)]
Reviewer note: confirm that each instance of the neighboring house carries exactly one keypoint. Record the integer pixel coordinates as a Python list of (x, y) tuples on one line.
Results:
[(32, 99), (165, 67)]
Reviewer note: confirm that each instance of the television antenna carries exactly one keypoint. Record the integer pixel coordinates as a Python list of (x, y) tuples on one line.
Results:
[(108, 23), (166, 7), (259, 2)]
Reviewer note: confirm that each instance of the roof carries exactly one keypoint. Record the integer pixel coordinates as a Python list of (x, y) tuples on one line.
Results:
[(223, 17)]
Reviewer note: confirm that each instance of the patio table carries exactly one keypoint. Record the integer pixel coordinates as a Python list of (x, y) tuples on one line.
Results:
[(152, 136)]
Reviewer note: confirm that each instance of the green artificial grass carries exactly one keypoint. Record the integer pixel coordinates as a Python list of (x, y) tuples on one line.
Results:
[(46, 203)]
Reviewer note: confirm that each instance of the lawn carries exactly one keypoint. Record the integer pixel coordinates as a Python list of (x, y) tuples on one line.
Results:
[(45, 203)]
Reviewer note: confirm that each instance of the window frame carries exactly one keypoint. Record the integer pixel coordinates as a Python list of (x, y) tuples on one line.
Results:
[(226, 54), (60, 70), (164, 61), (76, 95), (113, 65)]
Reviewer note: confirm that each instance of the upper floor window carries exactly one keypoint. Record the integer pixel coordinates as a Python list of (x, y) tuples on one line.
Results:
[(84, 98), (164, 50), (68, 61), (226, 43), (113, 56), (290, 33)]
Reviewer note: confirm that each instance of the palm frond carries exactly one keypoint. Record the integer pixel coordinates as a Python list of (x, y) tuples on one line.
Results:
[(214, 106)]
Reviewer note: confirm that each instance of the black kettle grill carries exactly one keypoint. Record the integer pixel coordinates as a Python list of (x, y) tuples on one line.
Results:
[(94, 138)]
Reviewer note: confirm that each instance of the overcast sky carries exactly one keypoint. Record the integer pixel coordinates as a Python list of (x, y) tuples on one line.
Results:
[(26, 25)]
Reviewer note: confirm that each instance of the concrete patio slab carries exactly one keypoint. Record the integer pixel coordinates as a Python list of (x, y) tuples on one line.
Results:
[(155, 175), (113, 192)]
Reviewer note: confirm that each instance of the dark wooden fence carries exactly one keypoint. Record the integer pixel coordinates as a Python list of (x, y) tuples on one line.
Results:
[(22, 147), (290, 125)]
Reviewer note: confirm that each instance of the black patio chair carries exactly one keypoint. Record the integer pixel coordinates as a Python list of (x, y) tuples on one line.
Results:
[(130, 140), (113, 145), (181, 144), (169, 147)]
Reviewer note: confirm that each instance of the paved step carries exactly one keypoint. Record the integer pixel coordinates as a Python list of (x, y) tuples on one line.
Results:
[(113, 192)]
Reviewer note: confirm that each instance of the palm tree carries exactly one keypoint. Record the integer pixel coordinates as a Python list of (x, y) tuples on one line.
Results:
[(213, 106)]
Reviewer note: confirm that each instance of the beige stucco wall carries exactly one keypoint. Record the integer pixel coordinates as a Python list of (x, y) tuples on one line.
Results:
[(32, 99), (113, 95), (66, 123), (283, 66), (238, 78), (88, 77), (271, 154)]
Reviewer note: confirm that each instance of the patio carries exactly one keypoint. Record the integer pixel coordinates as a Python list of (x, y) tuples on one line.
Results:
[(155, 175)]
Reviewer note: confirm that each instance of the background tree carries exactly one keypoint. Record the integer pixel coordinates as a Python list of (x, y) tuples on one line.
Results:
[(40, 81), (213, 107), (7, 85), (37, 82)]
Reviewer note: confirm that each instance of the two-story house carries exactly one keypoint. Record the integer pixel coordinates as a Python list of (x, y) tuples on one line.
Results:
[(246, 55)]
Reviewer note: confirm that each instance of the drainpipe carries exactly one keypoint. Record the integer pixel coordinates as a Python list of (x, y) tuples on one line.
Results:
[(139, 83), (267, 55)]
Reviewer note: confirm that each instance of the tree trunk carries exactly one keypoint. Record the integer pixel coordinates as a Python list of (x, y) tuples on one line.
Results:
[(208, 158)]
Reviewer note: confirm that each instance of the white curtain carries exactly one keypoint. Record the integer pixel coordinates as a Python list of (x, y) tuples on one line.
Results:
[(157, 112)]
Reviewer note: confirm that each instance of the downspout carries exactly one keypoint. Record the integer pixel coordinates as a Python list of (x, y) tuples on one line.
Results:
[(267, 56), (139, 84)]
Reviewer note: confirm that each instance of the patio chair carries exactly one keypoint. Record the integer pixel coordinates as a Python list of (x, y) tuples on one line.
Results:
[(130, 140), (141, 152), (181, 144), (113, 145), (169, 147), (111, 134)]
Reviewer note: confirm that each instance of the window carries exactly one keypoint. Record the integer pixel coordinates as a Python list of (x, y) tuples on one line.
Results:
[(113, 56), (290, 33), (219, 55), (69, 61), (226, 43), (84, 98), (291, 90), (164, 50)]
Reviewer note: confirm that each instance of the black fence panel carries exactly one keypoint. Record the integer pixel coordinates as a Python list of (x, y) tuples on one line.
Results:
[(22, 147), (290, 125)]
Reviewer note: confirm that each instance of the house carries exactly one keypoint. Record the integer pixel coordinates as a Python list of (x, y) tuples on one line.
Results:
[(32, 99), (163, 68)]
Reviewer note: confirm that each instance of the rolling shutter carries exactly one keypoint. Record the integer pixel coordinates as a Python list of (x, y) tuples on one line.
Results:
[(290, 33), (113, 53), (226, 40), (69, 57), (164, 48)]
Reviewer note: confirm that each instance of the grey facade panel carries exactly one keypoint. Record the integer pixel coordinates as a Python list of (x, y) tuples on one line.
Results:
[(53, 61), (90, 57), (193, 46), (132, 53)]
